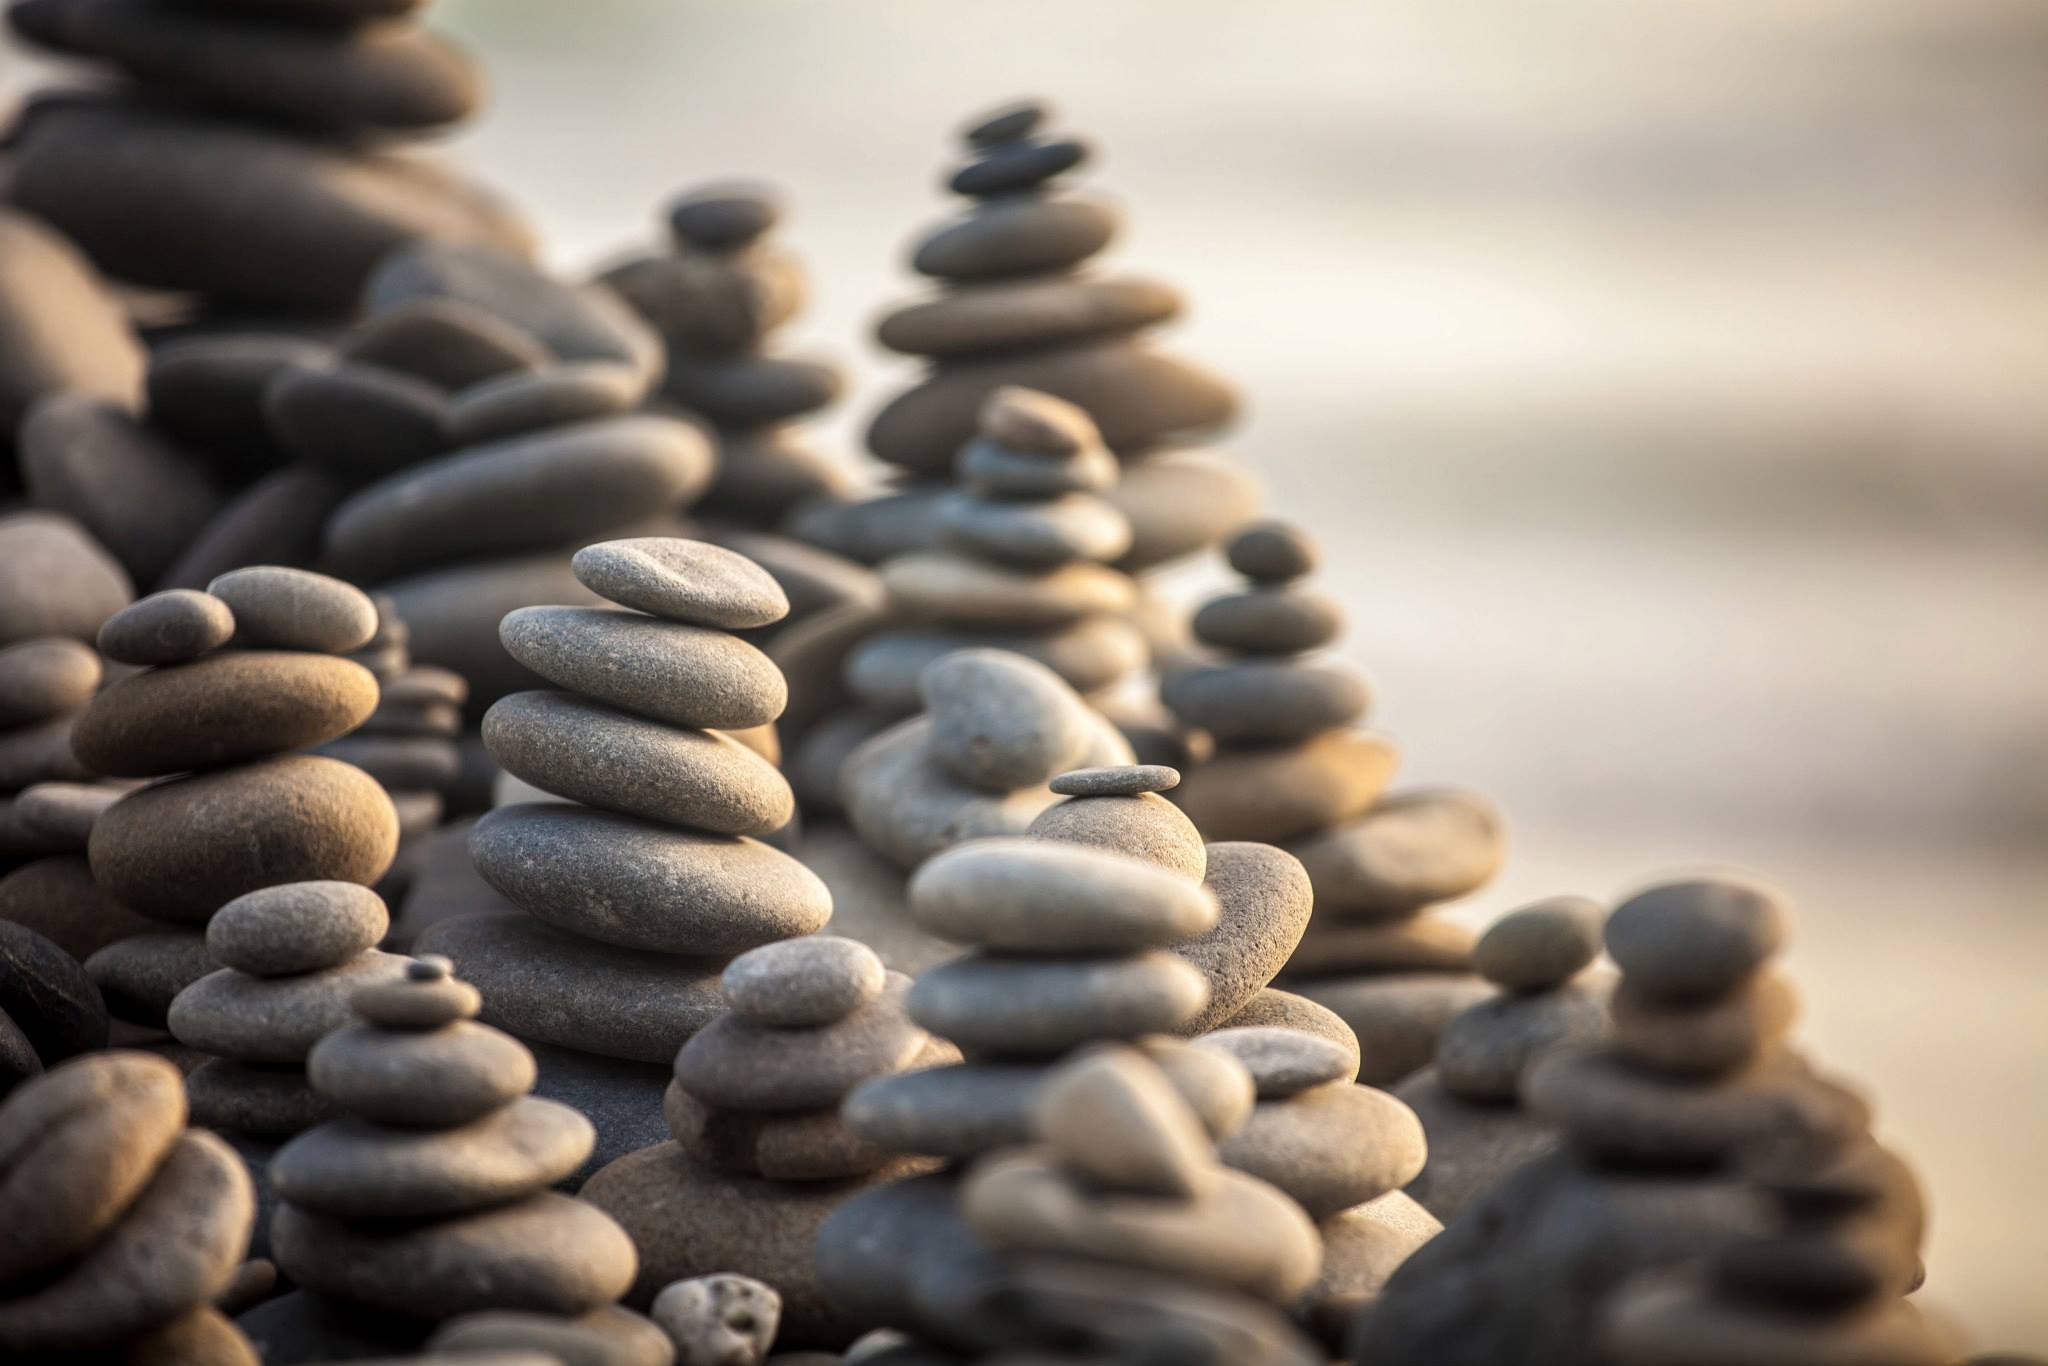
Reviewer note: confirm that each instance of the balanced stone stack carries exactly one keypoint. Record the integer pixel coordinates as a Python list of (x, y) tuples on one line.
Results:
[(1539, 959), (1019, 306), (1823, 1285), (234, 681), (1657, 1125), (541, 459), (245, 161), (648, 877), (409, 742), (123, 1226), (716, 297), (429, 1198), (1292, 766), (761, 1155)]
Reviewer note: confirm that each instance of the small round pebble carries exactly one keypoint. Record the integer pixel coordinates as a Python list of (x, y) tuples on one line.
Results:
[(165, 628), (722, 1320), (1694, 940), (721, 217), (428, 997), (295, 609), (1282, 1061), (1120, 780), (688, 581), (1541, 945), (296, 927), (1272, 552), (813, 980)]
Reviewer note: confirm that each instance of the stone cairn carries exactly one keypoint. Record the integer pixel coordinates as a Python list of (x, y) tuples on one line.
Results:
[(123, 1226), (233, 682), (760, 1155), (429, 1198), (409, 743), (1823, 1284), (1658, 1123), (646, 878), (716, 296), (1548, 996), (1292, 766), (243, 164), (1018, 306)]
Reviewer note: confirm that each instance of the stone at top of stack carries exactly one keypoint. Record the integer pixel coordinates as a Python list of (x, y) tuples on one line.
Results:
[(123, 1225), (716, 296), (242, 162), (761, 1155), (1019, 307), (430, 1197), (1539, 958), (1658, 1123), (1292, 765), (1824, 1284)]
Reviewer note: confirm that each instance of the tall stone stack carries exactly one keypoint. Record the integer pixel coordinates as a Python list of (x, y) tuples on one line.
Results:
[(235, 683), (716, 296), (648, 876), (429, 1199), (1659, 1125), (123, 1225), (1547, 997), (761, 1156), (244, 157), (1018, 305), (1293, 766)]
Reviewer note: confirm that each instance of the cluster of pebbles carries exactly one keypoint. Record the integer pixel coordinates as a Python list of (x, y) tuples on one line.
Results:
[(122, 1225), (761, 1155), (1291, 764), (243, 157), (640, 872), (716, 296)]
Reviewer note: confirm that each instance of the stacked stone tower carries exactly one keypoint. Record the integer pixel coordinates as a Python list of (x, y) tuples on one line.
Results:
[(649, 875), (123, 1226), (716, 297), (1659, 1125), (761, 1155), (235, 681), (430, 1198), (243, 162), (1539, 959), (1293, 766)]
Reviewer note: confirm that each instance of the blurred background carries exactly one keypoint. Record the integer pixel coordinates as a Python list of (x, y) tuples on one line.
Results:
[(1668, 383)]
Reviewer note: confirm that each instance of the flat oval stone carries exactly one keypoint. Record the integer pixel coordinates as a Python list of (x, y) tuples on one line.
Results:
[(48, 996), (1695, 940), (1265, 900), (447, 342), (296, 927), (1280, 794), (686, 675), (1017, 237), (253, 1101), (138, 494), (1486, 1049), (55, 580), (177, 850), (748, 391), (1286, 1010), (207, 391), (643, 886), (721, 217), (812, 980), (166, 628), (531, 401), (1089, 655), (65, 812), (1273, 552), (1009, 123), (140, 975), (44, 678), (1041, 896), (1034, 1007), (681, 580), (1031, 312), (1412, 850), (1705, 1038), (548, 1253), (225, 709), (280, 608), (1421, 944), (1008, 167), (1036, 534), (426, 998), (356, 1170), (1283, 1061), (1260, 701), (1124, 780), (1330, 1147), (1541, 945), (735, 1064), (274, 1019), (1143, 826), (541, 489), (953, 1112), (1282, 620), (1000, 722), (948, 587), (358, 422), (611, 759)]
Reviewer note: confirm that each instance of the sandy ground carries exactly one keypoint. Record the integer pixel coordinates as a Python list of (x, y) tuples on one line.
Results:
[(1669, 383)]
